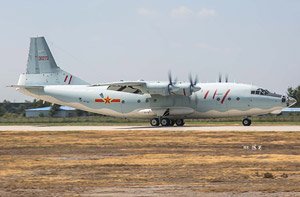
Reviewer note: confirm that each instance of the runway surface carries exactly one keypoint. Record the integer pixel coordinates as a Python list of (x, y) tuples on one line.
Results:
[(143, 128), (207, 160)]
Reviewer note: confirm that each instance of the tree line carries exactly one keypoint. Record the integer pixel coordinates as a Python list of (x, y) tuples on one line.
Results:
[(8, 108), (295, 93)]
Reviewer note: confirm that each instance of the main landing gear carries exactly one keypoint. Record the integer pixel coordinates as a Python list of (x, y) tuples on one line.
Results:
[(166, 122), (246, 122)]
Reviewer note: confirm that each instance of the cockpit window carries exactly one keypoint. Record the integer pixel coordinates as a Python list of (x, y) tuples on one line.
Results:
[(260, 91), (264, 92)]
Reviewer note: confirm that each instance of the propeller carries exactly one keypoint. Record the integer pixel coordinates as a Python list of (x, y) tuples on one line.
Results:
[(171, 82), (193, 84), (171, 85)]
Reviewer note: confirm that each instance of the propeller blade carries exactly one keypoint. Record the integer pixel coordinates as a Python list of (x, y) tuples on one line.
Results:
[(196, 80), (190, 78), (171, 85), (193, 84), (170, 78)]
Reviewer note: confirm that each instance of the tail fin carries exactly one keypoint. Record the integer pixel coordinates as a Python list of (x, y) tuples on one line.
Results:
[(40, 59), (42, 69)]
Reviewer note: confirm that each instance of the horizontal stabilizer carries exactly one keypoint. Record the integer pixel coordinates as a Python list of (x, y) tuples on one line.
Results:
[(26, 87)]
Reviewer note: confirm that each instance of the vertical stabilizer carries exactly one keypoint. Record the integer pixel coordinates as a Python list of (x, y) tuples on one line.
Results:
[(40, 59)]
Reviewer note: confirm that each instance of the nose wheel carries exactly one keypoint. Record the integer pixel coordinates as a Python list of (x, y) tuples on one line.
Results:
[(246, 122)]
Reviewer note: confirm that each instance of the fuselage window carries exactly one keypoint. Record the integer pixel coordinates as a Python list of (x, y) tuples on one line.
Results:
[(238, 98), (147, 100), (229, 98), (123, 101), (139, 101), (218, 99), (154, 100)]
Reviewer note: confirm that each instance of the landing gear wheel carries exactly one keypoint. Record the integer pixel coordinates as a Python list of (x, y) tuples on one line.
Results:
[(165, 122), (154, 122), (172, 122), (179, 122), (246, 122)]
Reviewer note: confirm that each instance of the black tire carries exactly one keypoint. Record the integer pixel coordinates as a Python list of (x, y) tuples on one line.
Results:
[(179, 122), (246, 122), (165, 122), (154, 122), (172, 122)]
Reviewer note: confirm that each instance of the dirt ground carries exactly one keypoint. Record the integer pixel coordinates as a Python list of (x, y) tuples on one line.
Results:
[(149, 163)]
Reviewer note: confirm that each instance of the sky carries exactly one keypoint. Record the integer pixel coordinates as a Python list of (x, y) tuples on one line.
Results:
[(253, 41)]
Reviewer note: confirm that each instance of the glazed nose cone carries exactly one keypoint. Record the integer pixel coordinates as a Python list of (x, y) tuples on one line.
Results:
[(291, 101)]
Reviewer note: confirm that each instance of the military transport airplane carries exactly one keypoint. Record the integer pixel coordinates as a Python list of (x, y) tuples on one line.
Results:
[(164, 103)]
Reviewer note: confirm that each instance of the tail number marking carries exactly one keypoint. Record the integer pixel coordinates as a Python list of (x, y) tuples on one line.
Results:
[(42, 58)]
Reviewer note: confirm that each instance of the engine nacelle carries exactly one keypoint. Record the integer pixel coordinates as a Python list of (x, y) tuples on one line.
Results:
[(158, 88), (164, 89)]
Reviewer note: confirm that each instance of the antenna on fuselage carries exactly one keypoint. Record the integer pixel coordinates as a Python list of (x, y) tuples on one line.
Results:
[(226, 78), (220, 78)]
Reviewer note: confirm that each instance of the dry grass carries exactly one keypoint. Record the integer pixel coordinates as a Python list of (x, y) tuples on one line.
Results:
[(79, 163)]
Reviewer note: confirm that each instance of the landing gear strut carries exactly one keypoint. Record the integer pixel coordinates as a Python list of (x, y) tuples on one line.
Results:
[(246, 122)]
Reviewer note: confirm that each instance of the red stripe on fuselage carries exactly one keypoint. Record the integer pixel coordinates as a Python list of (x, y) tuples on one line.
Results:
[(214, 94), (99, 100), (224, 97), (206, 94), (70, 79), (116, 100), (66, 78)]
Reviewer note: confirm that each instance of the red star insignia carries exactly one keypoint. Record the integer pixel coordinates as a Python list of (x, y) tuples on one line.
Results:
[(107, 100)]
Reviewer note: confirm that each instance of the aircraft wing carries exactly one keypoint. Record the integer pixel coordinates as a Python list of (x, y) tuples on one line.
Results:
[(152, 88), (123, 83), (137, 87)]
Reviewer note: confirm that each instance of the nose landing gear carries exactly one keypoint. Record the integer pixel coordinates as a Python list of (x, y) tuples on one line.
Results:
[(165, 122), (246, 122)]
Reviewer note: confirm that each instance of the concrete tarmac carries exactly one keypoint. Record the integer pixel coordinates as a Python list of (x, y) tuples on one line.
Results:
[(143, 128)]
